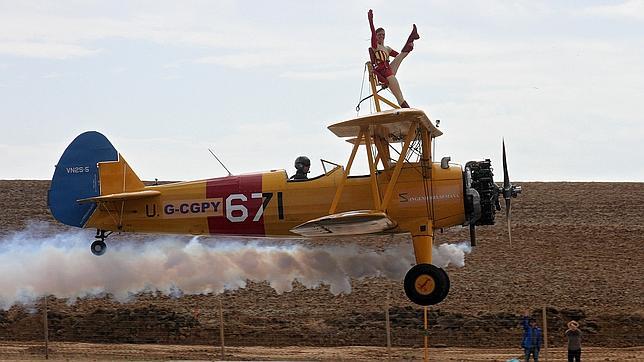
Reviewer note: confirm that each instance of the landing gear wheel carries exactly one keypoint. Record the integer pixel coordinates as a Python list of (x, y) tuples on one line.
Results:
[(98, 247), (426, 284), (447, 285)]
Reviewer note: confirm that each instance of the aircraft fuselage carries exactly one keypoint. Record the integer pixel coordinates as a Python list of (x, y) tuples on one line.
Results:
[(267, 204)]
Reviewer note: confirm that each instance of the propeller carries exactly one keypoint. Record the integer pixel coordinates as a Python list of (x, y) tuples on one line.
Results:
[(509, 191)]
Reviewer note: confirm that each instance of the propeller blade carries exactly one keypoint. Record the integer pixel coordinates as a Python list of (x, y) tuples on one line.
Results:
[(506, 176), (472, 235), (507, 217), (509, 191)]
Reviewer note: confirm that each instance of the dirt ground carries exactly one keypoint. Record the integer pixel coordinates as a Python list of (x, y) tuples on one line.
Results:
[(577, 249), (104, 352)]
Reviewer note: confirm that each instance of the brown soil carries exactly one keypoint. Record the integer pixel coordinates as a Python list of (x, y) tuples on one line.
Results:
[(94, 352), (577, 249)]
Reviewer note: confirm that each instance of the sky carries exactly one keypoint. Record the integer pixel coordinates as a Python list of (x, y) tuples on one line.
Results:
[(258, 82)]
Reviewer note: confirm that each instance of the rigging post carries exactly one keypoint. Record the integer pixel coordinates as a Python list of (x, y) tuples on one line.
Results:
[(377, 98)]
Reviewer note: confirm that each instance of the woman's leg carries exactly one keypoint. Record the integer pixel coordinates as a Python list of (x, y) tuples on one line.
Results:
[(396, 62), (395, 89), (409, 46)]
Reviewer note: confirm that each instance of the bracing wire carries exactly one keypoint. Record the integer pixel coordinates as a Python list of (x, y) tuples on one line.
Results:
[(410, 152), (360, 99), (416, 149)]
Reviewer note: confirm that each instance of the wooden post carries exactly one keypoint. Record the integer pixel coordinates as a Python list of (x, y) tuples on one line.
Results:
[(46, 328), (373, 81), (426, 337), (221, 328), (388, 326), (545, 333)]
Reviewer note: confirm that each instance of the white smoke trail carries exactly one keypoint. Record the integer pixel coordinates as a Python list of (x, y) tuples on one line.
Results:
[(62, 265), (446, 254)]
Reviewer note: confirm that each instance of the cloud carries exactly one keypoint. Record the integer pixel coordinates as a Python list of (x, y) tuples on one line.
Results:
[(15, 150), (244, 60), (46, 50), (63, 33), (53, 75), (633, 9), (331, 74), (59, 35)]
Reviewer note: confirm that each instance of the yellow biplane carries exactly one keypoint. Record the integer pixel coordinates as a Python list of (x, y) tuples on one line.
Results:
[(405, 192)]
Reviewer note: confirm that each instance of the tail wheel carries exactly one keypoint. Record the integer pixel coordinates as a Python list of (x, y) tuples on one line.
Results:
[(98, 247), (426, 284)]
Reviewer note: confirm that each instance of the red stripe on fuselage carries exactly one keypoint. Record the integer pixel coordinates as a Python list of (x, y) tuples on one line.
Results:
[(236, 193)]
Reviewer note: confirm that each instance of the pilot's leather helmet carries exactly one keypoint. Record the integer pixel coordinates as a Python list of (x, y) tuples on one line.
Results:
[(302, 162)]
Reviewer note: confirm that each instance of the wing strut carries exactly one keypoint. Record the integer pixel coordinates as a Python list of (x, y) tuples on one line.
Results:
[(375, 193), (365, 135), (338, 192), (383, 149), (411, 134)]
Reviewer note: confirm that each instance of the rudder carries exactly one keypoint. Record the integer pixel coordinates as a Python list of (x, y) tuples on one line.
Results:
[(77, 177)]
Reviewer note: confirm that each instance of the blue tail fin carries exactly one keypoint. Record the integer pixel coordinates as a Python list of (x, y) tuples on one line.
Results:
[(76, 177)]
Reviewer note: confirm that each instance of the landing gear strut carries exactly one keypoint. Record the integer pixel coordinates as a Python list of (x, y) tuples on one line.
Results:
[(426, 284), (98, 246)]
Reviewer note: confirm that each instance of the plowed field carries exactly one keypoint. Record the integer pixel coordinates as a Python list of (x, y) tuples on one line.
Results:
[(578, 249)]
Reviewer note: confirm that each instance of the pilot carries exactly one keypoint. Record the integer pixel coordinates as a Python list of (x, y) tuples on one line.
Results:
[(385, 71), (302, 165)]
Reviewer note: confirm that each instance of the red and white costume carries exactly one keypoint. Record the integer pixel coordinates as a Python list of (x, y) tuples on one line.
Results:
[(380, 57), (386, 71)]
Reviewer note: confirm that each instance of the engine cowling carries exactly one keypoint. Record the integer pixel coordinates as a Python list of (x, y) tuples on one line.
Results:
[(481, 193)]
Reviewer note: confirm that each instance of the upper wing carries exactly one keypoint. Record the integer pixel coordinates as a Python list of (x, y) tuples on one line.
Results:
[(391, 125), (346, 223)]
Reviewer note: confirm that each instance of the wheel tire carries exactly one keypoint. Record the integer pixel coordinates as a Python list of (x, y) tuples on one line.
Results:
[(98, 247), (447, 285), (426, 284)]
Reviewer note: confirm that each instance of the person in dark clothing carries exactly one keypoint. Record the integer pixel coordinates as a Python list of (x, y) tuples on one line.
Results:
[(302, 165), (532, 338), (574, 342)]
